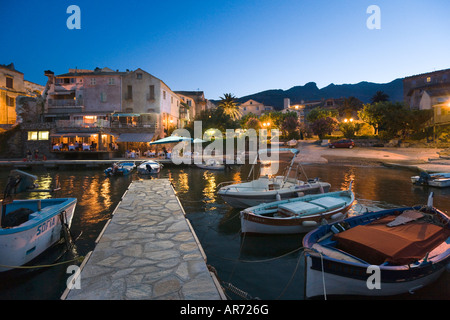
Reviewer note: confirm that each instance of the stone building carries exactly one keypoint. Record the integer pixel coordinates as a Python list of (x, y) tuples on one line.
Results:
[(149, 97), (430, 91), (12, 86), (254, 107)]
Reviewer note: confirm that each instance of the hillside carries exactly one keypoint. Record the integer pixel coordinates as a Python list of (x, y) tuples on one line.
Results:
[(364, 91)]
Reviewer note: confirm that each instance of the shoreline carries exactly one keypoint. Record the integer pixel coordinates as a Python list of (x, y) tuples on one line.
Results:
[(414, 159)]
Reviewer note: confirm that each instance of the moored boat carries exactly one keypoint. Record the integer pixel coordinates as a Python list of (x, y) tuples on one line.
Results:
[(380, 253), (120, 168), (439, 180), (269, 188), (30, 227), (211, 164), (297, 215), (149, 167)]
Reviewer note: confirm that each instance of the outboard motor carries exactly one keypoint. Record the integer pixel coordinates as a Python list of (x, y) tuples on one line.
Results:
[(423, 178)]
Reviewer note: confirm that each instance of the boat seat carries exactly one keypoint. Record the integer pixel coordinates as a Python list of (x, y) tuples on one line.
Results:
[(299, 208), (329, 203)]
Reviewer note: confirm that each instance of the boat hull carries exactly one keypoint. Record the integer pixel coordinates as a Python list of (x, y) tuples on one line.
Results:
[(437, 180), (154, 168), (325, 277), (21, 244), (242, 200), (260, 224), (334, 272)]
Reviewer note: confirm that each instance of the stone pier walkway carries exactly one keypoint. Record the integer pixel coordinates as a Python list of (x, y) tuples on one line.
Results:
[(148, 250)]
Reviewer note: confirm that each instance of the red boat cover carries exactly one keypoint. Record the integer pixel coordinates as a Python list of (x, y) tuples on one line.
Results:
[(377, 243)]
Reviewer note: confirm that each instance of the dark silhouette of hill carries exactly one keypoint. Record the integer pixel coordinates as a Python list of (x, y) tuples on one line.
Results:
[(364, 91)]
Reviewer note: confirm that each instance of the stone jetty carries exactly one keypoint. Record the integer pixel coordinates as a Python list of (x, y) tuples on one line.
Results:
[(147, 251)]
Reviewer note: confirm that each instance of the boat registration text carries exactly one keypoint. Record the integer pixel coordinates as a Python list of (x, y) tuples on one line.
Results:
[(45, 226)]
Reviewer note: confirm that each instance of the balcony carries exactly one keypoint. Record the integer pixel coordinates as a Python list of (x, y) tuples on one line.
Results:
[(80, 124), (58, 103)]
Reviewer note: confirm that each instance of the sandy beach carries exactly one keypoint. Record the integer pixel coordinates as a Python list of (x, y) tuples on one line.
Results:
[(417, 159)]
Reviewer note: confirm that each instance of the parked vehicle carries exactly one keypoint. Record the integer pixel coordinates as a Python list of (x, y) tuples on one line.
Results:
[(344, 143)]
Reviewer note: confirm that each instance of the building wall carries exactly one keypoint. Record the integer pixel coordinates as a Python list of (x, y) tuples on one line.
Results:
[(414, 86), (9, 91), (142, 100), (255, 107), (100, 93)]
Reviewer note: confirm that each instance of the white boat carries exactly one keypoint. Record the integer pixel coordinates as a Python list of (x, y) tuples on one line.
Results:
[(121, 168), (271, 188), (149, 167), (211, 164), (439, 180), (381, 253), (30, 227), (297, 215)]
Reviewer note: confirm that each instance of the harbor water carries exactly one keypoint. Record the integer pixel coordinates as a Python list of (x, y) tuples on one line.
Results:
[(264, 267)]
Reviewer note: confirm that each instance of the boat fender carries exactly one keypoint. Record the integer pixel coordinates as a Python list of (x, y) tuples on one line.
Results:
[(278, 197), (337, 216), (300, 194), (309, 223)]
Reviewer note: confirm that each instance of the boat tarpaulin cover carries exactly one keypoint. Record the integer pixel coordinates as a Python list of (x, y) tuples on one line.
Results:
[(377, 243)]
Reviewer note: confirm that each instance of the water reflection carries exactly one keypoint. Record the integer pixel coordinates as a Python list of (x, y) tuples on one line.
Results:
[(217, 225)]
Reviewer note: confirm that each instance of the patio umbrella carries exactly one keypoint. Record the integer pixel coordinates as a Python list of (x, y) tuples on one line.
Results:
[(197, 140), (171, 139)]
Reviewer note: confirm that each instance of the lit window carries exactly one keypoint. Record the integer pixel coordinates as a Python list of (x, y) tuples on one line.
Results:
[(429, 79), (43, 135), (32, 135)]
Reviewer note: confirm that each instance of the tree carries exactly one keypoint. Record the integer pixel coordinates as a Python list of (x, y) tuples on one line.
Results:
[(380, 96), (253, 123), (349, 129), (323, 126), (372, 114), (318, 113), (229, 106), (290, 127), (350, 107)]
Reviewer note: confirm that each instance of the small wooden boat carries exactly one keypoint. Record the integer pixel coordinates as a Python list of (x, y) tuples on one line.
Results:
[(211, 164), (30, 227), (269, 188), (297, 215), (439, 180), (381, 253), (120, 168), (149, 167)]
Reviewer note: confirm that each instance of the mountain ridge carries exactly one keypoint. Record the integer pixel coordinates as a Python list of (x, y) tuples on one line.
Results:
[(363, 90)]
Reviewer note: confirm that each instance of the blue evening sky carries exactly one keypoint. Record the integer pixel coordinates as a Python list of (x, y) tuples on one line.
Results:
[(229, 46)]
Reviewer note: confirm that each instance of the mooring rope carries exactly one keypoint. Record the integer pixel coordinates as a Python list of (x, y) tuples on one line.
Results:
[(78, 259)]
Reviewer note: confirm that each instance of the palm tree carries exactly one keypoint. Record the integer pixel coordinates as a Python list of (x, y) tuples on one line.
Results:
[(229, 106), (380, 96)]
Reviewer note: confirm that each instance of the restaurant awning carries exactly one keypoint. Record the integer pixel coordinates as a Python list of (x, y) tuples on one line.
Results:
[(73, 134), (135, 137)]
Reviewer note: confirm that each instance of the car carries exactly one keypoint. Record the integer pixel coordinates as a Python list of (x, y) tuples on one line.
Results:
[(345, 143)]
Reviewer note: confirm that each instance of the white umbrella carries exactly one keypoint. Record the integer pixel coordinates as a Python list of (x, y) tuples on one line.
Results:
[(197, 140), (171, 139)]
